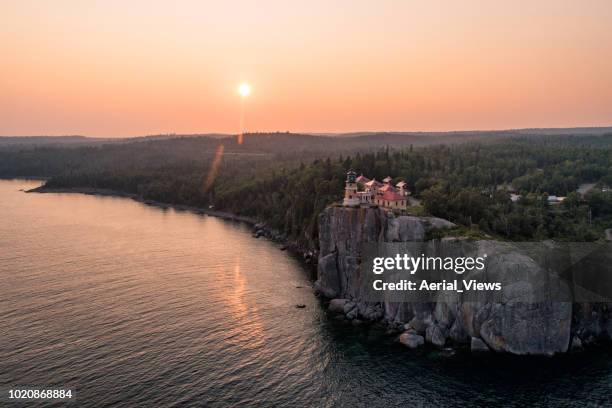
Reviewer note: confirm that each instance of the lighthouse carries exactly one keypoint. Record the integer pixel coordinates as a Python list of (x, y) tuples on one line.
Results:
[(350, 190)]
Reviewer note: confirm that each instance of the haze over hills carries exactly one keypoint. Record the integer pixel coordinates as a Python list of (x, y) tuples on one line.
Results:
[(350, 140)]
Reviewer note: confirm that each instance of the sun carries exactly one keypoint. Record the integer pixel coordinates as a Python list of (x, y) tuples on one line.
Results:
[(244, 89)]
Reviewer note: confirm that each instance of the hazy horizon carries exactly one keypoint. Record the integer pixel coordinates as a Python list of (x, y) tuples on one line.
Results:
[(322, 133), (117, 69)]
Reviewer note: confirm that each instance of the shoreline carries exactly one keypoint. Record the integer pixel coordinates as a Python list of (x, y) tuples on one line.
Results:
[(135, 197), (259, 227)]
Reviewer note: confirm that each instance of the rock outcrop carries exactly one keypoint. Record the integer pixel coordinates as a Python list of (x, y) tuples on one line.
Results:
[(544, 326)]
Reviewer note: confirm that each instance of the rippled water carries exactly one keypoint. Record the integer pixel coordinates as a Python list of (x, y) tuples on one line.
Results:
[(138, 306)]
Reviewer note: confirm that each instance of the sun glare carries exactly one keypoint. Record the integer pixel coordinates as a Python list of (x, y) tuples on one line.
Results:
[(244, 89)]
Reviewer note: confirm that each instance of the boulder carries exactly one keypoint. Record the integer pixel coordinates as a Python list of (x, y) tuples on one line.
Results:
[(478, 346), (348, 307), (370, 312), (411, 340), (457, 333), (528, 328), (352, 314), (435, 336), (337, 305), (438, 223), (443, 314), (417, 325)]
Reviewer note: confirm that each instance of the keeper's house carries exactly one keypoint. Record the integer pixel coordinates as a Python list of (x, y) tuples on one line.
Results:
[(361, 191)]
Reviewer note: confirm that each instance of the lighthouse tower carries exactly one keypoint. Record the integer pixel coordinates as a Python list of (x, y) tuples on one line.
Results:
[(350, 191)]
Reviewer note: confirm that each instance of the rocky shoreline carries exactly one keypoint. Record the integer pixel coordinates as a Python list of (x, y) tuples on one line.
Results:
[(260, 229), (544, 327)]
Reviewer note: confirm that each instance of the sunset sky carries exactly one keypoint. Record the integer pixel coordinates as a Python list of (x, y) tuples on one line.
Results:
[(126, 68)]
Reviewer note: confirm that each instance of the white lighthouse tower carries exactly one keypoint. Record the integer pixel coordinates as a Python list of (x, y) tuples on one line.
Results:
[(350, 191)]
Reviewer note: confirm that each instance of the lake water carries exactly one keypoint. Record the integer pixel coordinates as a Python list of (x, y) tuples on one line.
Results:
[(139, 306)]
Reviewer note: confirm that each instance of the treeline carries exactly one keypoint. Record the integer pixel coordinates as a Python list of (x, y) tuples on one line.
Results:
[(38, 156), (468, 184), (287, 180)]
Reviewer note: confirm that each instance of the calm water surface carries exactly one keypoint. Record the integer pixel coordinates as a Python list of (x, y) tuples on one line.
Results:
[(138, 306)]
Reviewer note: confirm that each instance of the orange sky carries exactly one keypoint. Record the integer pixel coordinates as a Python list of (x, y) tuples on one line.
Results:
[(122, 68)]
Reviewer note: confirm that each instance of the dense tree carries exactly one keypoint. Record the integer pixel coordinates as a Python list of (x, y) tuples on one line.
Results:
[(287, 180)]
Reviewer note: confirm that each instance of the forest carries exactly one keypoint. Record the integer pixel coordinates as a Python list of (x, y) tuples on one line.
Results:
[(286, 180)]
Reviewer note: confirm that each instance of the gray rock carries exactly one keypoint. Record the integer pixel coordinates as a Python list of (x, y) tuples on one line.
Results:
[(337, 305), (528, 328), (352, 314), (478, 346), (328, 283), (417, 324), (348, 307), (371, 312), (576, 343), (443, 314), (457, 333), (435, 336), (411, 340), (437, 223), (405, 228)]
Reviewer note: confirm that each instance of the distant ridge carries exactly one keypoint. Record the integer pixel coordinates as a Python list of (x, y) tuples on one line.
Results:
[(593, 130), (358, 140)]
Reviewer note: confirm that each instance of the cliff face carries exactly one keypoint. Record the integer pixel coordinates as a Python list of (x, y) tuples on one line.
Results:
[(542, 327)]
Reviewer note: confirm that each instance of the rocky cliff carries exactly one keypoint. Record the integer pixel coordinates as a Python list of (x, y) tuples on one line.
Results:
[(545, 326)]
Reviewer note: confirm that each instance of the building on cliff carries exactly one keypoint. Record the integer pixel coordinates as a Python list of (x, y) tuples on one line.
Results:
[(374, 193)]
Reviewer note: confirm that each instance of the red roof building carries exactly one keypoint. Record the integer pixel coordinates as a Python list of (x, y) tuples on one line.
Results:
[(373, 184), (386, 187), (392, 196), (375, 193), (362, 179)]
